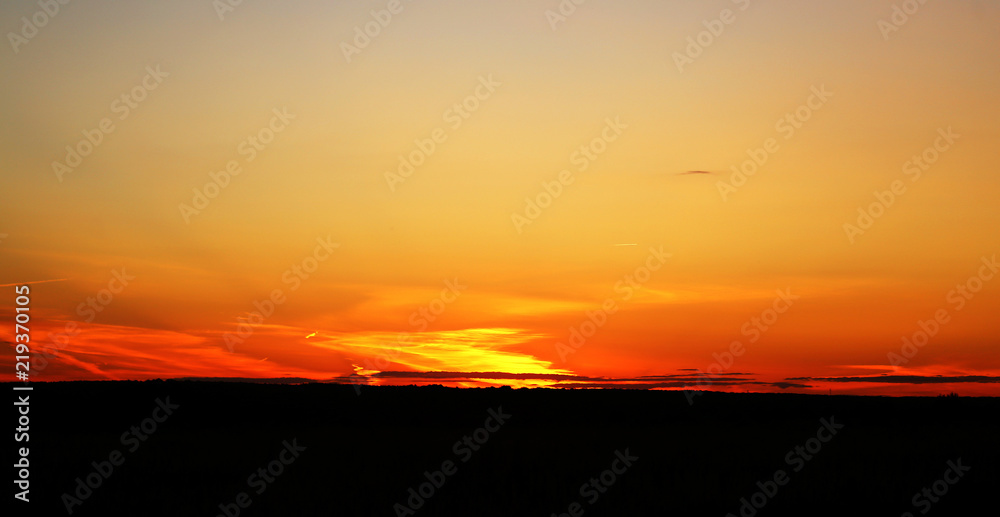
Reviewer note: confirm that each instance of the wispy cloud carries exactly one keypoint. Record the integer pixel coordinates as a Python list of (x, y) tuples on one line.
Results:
[(906, 379), (477, 349), (645, 382)]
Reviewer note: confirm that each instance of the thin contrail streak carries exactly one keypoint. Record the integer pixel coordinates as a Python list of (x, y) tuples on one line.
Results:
[(35, 282)]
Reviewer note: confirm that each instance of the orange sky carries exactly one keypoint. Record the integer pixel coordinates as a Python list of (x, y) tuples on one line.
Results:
[(480, 184)]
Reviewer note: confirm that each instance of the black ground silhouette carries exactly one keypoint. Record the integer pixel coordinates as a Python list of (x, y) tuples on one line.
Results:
[(341, 450)]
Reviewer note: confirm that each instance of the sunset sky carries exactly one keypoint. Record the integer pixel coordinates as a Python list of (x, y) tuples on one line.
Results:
[(466, 189)]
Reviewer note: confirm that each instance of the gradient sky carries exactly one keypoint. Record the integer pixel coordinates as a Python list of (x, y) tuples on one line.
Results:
[(323, 176)]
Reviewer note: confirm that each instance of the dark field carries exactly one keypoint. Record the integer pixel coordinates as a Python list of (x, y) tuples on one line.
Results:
[(364, 453)]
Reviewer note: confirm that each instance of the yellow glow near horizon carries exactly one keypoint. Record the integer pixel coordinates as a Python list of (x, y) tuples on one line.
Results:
[(472, 144)]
